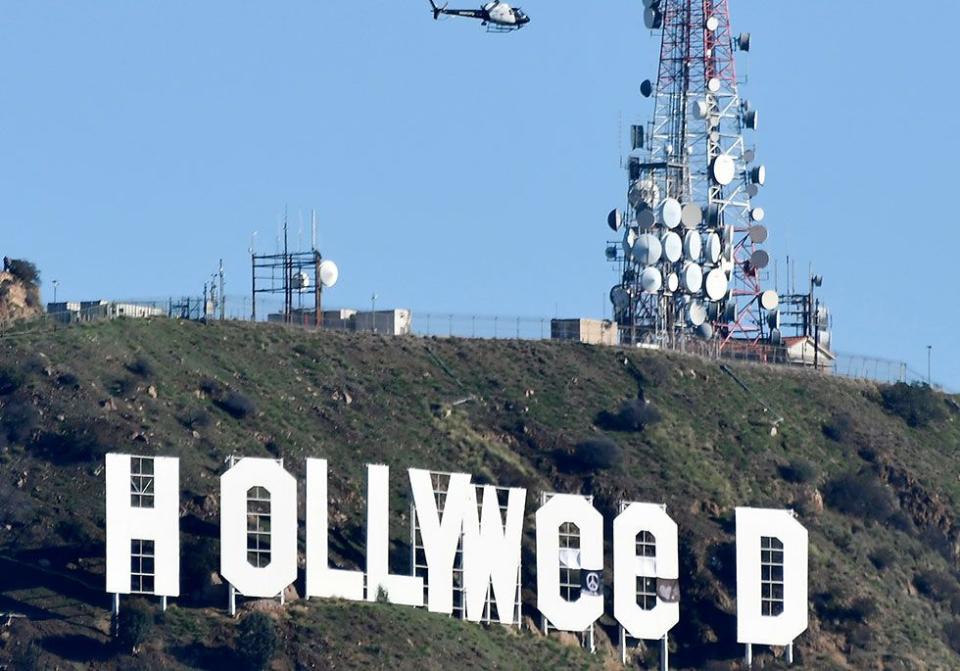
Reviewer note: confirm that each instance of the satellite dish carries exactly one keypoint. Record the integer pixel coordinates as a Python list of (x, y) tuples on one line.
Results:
[(705, 331), (730, 312), (647, 249), (712, 24), (724, 169), (713, 214), (758, 214), (672, 247), (646, 88), (713, 85), (751, 119), (752, 190), (619, 297), (645, 218), (651, 3), (329, 273), (749, 156), (629, 239), (759, 175), (652, 18), (691, 278), (636, 137), (759, 260), (696, 314), (776, 337), (769, 300), (671, 212), (699, 109), (743, 42), (300, 280), (691, 215), (611, 253), (773, 320), (713, 247), (615, 219), (651, 280), (673, 282), (758, 234), (692, 246), (716, 284)]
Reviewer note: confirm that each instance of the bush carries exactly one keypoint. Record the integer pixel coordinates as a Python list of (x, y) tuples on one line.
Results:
[(85, 441), (595, 454), (133, 626), (883, 558), (799, 471), (68, 379), (237, 405), (860, 495), (917, 404), (936, 585), (840, 428), (633, 415), (25, 271), (20, 421), (256, 641), (195, 418), (11, 379), (142, 366)]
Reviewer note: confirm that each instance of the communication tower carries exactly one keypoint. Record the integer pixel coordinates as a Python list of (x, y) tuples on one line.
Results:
[(690, 261)]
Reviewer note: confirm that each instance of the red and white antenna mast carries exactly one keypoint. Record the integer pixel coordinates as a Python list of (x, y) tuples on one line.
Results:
[(689, 257)]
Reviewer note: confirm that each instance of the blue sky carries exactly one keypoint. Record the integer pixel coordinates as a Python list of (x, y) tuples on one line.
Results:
[(457, 171)]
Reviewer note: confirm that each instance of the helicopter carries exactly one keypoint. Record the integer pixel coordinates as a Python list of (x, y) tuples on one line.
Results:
[(497, 16)]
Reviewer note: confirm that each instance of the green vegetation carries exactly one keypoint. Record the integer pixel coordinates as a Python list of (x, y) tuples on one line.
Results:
[(877, 491), (256, 641)]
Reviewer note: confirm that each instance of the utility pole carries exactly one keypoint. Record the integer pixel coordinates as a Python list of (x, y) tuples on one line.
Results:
[(56, 283), (929, 369), (373, 311), (223, 300)]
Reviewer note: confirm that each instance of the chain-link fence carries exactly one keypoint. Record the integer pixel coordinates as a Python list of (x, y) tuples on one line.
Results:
[(454, 325)]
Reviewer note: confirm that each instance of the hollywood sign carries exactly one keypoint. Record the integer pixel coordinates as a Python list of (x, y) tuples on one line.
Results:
[(258, 543)]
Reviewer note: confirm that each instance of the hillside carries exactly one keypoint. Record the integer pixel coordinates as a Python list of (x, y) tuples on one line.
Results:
[(873, 473), (19, 291)]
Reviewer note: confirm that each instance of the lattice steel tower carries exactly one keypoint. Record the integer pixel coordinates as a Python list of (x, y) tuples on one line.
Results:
[(689, 258)]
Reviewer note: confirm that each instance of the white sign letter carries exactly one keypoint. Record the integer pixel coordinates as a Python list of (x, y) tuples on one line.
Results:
[(321, 579), (143, 525), (402, 589), (258, 527), (657, 558), (440, 537), (771, 576), (562, 614), (491, 553)]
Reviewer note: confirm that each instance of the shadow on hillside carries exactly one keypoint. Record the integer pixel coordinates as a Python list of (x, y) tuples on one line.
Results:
[(23, 575), (199, 656), (77, 648)]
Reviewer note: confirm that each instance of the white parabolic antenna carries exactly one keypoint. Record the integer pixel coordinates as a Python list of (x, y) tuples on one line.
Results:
[(769, 300), (672, 247), (647, 249), (724, 169), (692, 246), (671, 212), (651, 280), (716, 284), (714, 247), (629, 238), (696, 314), (692, 278), (691, 215), (758, 214), (301, 280), (329, 273), (673, 283)]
